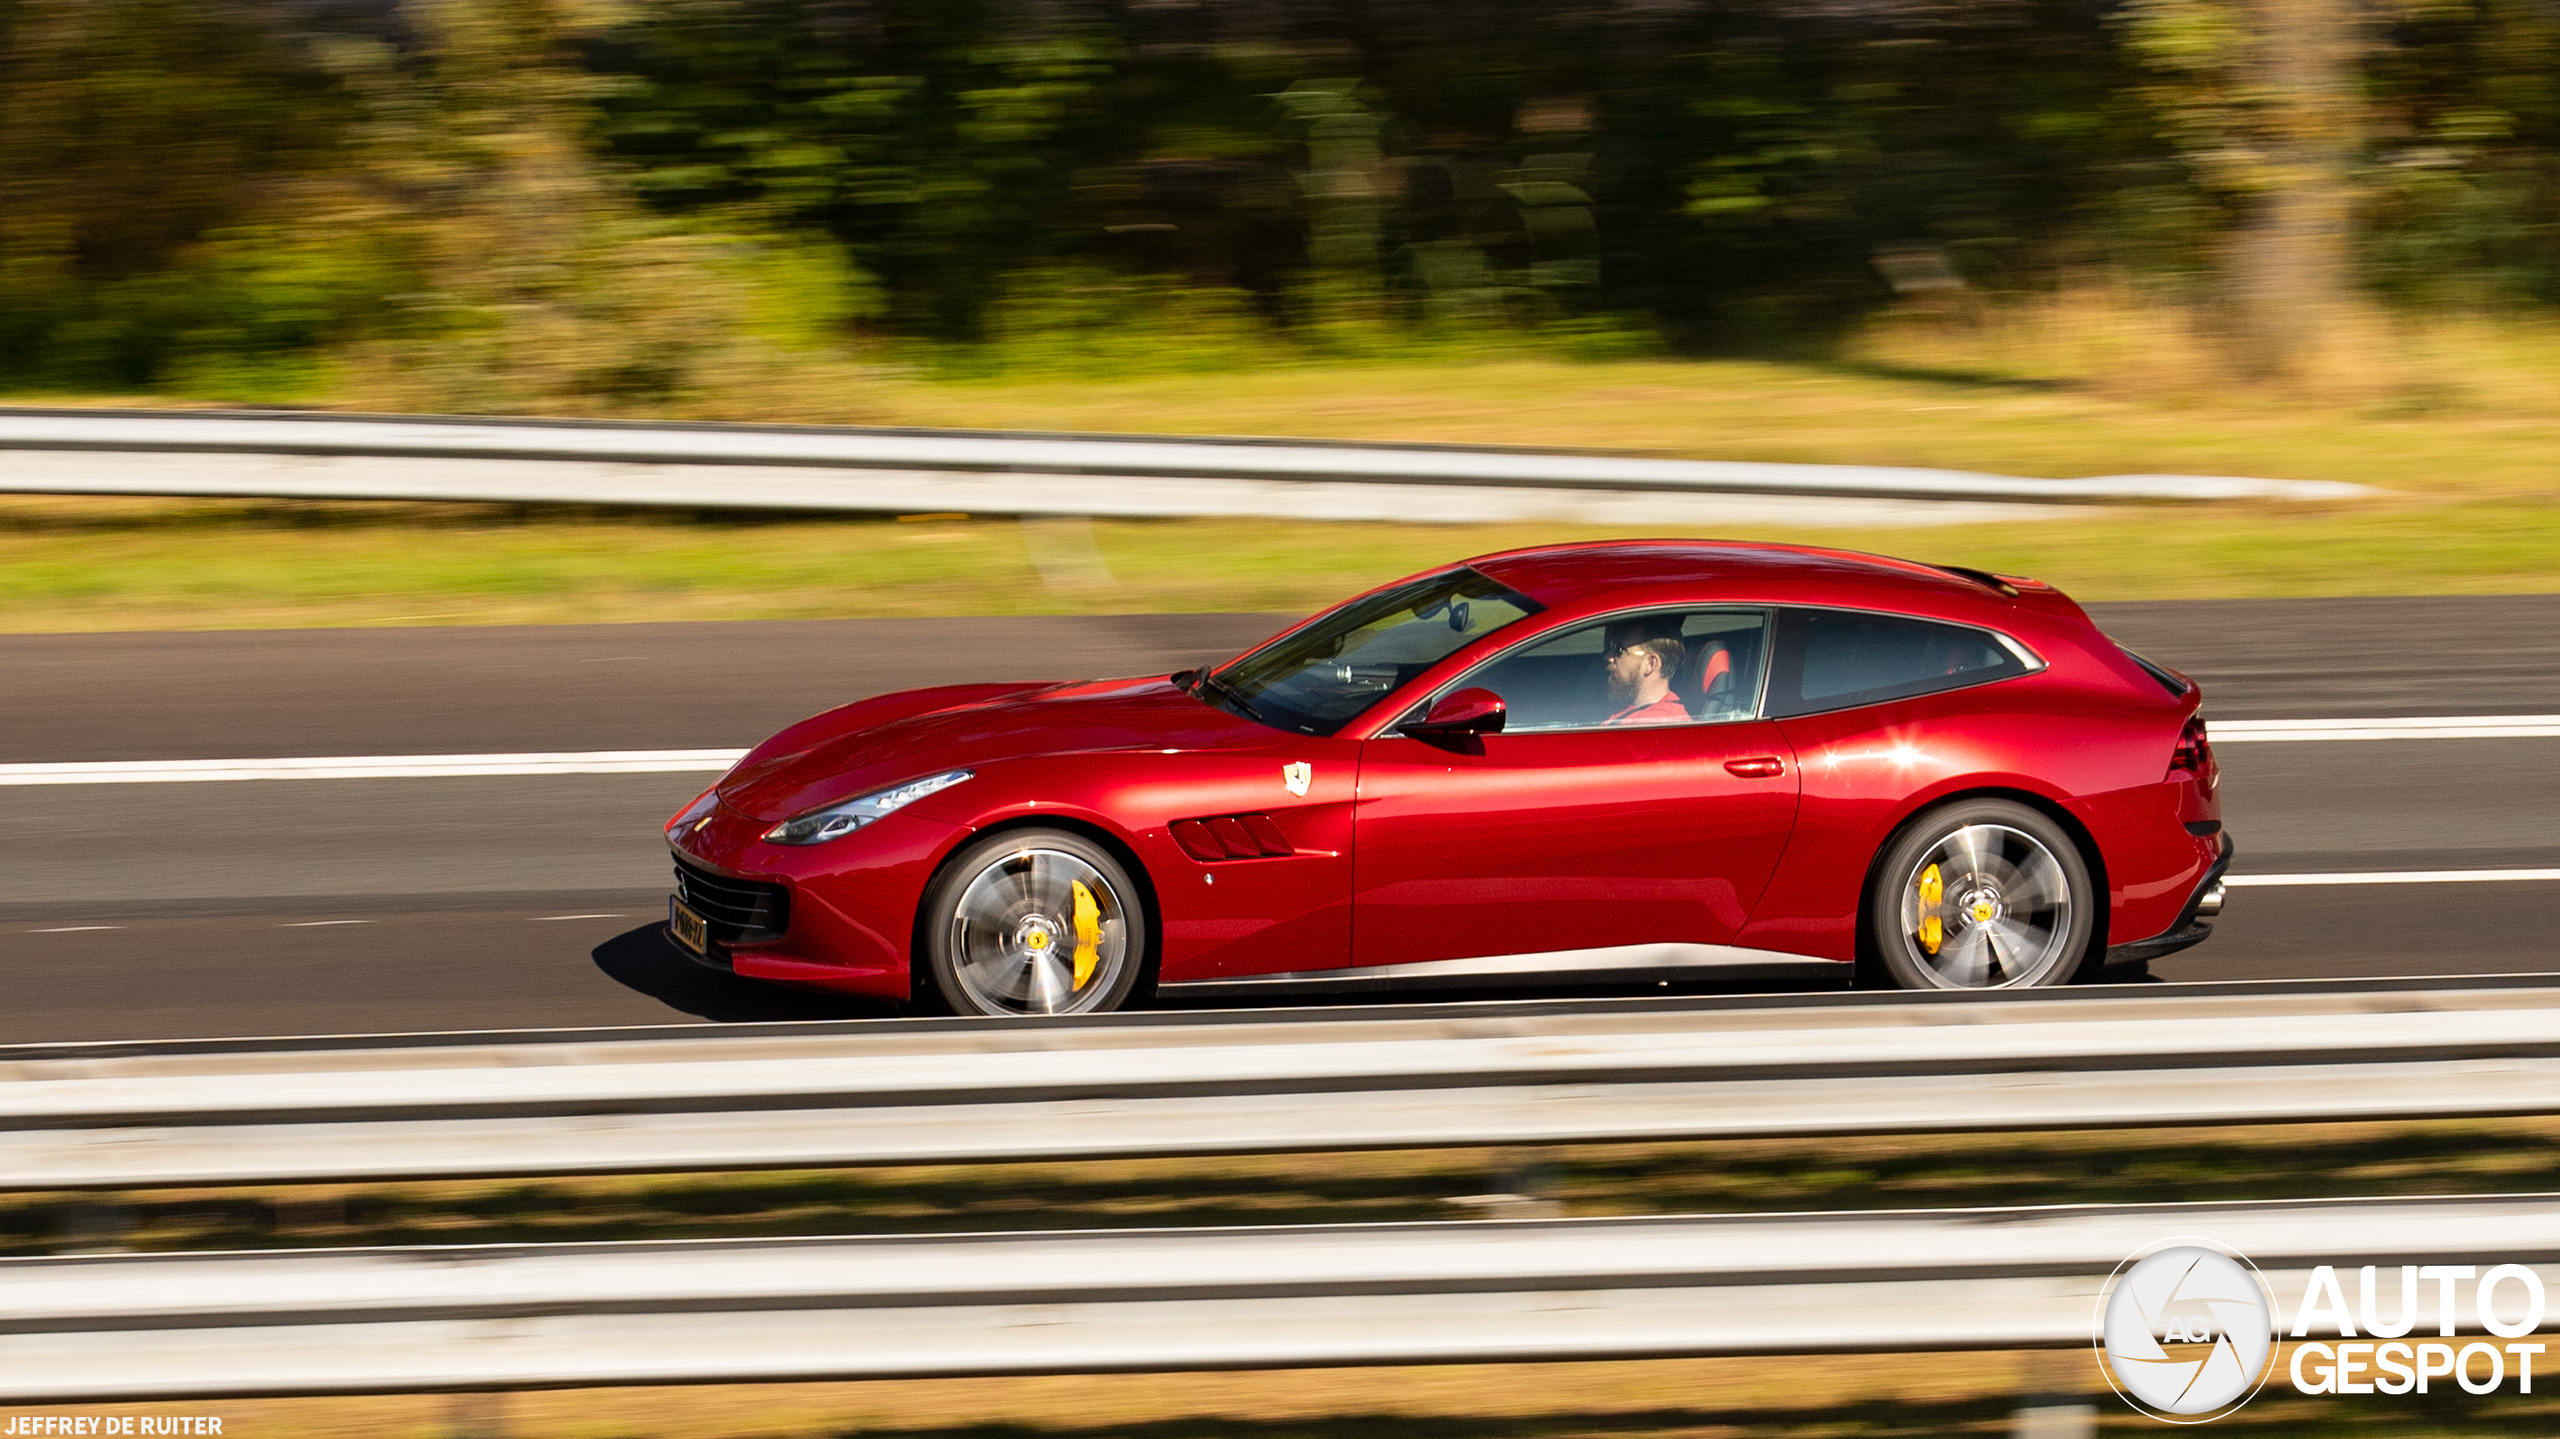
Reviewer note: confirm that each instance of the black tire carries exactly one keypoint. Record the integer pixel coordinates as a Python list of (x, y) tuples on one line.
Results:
[(2008, 890), (1004, 927)]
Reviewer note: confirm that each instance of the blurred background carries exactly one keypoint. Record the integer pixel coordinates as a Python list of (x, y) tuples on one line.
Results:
[(730, 207), (2313, 239)]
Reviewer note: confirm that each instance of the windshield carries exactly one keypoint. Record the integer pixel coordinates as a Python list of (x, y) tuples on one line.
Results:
[(1317, 680)]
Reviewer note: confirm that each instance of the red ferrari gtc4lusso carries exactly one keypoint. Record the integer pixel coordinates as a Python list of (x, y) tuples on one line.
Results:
[(1586, 764)]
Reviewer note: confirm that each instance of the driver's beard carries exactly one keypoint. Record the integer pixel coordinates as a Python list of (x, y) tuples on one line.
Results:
[(1622, 693)]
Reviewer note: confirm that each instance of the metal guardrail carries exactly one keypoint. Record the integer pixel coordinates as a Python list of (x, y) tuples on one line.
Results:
[(768, 467), (123, 1116), (131, 1327)]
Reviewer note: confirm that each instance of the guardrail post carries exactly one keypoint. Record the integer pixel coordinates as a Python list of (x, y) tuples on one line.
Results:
[(2052, 1387), (1063, 550), (2054, 1421), (479, 1414), (1525, 1186)]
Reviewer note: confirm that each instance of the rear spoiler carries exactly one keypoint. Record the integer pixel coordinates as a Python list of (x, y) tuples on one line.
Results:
[(2010, 585)]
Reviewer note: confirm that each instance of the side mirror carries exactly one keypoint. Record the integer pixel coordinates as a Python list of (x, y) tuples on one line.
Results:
[(1467, 711)]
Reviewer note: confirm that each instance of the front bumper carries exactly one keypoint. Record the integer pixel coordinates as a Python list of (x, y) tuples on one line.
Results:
[(838, 916)]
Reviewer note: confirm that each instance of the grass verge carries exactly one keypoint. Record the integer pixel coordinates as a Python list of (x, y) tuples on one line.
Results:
[(1861, 1396), (2471, 507), (1734, 1176)]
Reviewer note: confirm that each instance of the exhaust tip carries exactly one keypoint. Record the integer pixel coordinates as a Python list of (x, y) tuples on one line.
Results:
[(2211, 904)]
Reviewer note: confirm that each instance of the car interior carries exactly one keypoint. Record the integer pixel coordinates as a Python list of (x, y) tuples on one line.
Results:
[(1562, 683)]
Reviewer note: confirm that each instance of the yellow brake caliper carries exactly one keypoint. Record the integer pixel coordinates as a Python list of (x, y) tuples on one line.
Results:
[(1933, 932), (1088, 934)]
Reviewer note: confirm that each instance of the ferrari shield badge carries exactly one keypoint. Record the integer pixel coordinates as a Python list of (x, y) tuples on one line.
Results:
[(1297, 776)]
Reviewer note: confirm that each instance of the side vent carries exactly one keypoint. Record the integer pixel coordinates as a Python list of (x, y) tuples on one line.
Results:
[(1231, 836)]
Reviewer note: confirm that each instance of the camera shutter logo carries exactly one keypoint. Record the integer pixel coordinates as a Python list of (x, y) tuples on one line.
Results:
[(2187, 1332)]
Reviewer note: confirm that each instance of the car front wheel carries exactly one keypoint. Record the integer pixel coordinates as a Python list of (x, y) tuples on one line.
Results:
[(1034, 921), (1982, 894)]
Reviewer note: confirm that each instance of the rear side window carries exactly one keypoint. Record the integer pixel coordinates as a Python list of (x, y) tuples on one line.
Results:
[(1837, 659)]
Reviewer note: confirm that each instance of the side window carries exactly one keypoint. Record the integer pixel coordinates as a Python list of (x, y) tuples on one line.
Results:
[(1658, 667), (1837, 659)]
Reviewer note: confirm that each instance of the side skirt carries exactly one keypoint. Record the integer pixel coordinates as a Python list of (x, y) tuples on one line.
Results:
[(1556, 968)]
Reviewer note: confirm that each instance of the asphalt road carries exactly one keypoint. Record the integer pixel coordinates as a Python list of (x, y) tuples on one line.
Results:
[(134, 911)]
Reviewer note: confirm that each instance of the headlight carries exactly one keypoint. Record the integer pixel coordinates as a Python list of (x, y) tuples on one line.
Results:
[(845, 816)]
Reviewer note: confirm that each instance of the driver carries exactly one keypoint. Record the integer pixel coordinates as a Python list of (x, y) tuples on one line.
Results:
[(1641, 655)]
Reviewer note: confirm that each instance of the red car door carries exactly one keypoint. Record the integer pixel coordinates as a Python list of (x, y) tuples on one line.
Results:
[(1574, 835)]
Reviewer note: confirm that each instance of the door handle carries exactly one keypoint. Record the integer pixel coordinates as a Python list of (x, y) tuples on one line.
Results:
[(1767, 766)]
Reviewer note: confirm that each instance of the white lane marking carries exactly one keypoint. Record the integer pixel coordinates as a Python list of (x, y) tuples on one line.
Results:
[(548, 918), (2420, 727), (676, 761), (393, 766), (2404, 876), (321, 923), (76, 929)]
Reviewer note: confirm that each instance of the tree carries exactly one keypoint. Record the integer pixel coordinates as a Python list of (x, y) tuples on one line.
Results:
[(2261, 98)]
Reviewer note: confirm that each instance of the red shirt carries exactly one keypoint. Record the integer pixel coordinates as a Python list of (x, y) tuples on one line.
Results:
[(1666, 710)]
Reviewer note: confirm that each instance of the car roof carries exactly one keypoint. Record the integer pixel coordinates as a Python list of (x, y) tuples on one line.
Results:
[(1571, 576)]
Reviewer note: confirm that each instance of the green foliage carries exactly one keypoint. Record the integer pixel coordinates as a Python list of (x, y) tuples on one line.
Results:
[(542, 285), (130, 130), (1078, 321), (723, 205), (937, 155), (2461, 187)]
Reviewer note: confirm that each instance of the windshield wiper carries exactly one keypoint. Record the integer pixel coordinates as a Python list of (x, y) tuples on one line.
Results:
[(1203, 680)]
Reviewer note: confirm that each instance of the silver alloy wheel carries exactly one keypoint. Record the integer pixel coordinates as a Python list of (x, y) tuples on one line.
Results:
[(1986, 907), (1030, 924)]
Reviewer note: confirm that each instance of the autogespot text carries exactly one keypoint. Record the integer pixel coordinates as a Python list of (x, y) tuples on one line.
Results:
[(2371, 1354)]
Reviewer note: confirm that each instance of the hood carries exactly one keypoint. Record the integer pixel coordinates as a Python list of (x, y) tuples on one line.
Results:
[(886, 741)]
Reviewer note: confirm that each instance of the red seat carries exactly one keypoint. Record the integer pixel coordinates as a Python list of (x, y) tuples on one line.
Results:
[(1709, 664)]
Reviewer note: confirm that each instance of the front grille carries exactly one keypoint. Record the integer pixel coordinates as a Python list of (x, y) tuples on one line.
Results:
[(735, 911)]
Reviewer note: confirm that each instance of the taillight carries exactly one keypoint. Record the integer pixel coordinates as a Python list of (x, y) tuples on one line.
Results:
[(2194, 753)]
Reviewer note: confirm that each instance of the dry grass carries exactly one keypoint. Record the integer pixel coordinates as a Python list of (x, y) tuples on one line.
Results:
[(2457, 422), (191, 565), (2229, 1165), (1848, 1396), (1693, 1398), (2459, 407)]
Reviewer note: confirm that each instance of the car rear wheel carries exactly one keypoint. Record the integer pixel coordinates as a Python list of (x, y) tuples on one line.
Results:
[(1035, 921), (1982, 894)]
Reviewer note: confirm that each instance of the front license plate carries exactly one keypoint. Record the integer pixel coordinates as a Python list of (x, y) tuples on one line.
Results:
[(687, 927)]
